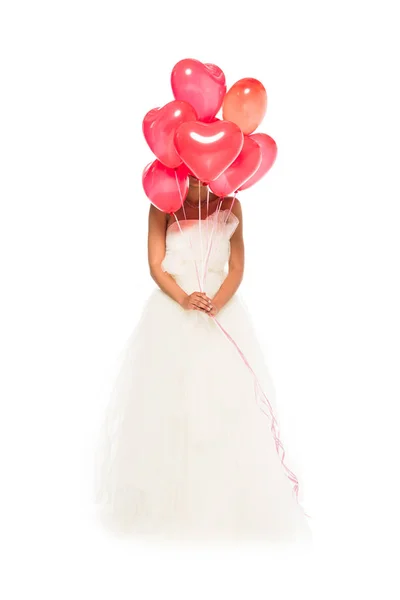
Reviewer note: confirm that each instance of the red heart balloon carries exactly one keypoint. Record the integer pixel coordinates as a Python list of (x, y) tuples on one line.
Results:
[(166, 188), (268, 155), (201, 85), (208, 148), (159, 126), (240, 170)]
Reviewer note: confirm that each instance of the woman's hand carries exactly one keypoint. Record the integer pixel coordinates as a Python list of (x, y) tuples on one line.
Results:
[(214, 309), (197, 301)]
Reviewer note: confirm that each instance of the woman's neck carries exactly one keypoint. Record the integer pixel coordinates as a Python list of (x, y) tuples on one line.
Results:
[(194, 196)]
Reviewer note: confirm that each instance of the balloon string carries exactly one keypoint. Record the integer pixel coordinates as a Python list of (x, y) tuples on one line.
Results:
[(227, 216), (260, 395), (201, 236), (231, 207), (190, 237), (208, 228), (210, 240), (184, 211), (190, 241)]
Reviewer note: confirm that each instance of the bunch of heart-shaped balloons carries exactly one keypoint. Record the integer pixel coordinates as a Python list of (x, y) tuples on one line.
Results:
[(188, 138)]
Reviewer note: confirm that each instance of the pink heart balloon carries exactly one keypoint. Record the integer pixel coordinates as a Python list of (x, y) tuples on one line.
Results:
[(268, 155), (201, 85), (239, 171), (166, 188), (159, 127), (208, 148)]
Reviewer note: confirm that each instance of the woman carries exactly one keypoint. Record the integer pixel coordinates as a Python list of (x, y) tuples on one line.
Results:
[(187, 451)]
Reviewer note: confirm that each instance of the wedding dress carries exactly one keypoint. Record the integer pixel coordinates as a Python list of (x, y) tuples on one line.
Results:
[(186, 450)]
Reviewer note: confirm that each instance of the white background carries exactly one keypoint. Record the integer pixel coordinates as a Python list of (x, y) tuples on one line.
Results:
[(322, 279)]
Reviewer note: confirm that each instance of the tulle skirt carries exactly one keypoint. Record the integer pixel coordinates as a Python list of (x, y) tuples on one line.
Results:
[(185, 451)]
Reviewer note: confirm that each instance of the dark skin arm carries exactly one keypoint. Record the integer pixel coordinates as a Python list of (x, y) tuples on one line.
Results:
[(156, 254)]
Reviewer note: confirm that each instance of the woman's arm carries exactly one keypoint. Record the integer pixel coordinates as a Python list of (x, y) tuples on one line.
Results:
[(156, 254), (236, 265)]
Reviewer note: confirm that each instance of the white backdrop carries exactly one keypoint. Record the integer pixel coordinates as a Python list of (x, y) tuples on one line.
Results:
[(322, 279)]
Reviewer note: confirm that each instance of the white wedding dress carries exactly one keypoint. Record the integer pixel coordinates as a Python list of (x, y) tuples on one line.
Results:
[(186, 451)]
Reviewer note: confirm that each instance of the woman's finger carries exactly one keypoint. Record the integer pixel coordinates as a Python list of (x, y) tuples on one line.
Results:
[(203, 297), (207, 301), (195, 307), (199, 302), (202, 306)]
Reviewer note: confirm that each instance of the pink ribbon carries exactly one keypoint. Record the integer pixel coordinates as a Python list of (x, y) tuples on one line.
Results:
[(259, 393)]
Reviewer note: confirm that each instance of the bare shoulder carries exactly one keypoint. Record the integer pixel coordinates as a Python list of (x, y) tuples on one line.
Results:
[(157, 218), (235, 207)]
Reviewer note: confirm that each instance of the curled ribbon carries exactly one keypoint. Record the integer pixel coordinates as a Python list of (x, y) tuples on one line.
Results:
[(259, 393)]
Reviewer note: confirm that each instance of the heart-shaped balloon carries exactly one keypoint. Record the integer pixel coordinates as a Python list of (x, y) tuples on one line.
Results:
[(268, 155), (208, 148), (245, 104), (240, 170), (201, 85), (159, 127), (166, 188)]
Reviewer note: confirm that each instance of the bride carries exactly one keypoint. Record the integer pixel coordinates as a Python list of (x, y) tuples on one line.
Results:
[(186, 451)]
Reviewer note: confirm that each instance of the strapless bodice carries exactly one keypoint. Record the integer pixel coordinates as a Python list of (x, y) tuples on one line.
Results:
[(204, 246)]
